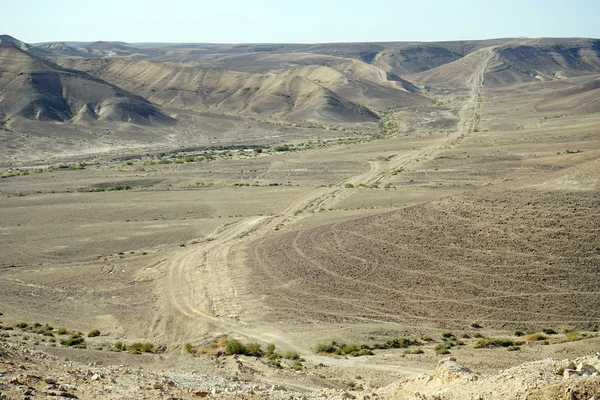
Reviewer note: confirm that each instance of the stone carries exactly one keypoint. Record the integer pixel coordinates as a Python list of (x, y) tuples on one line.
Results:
[(586, 369), (158, 386), (570, 372), (51, 380)]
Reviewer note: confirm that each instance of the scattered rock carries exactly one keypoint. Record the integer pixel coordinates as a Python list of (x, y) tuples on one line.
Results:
[(569, 373), (586, 369), (278, 388), (51, 380)]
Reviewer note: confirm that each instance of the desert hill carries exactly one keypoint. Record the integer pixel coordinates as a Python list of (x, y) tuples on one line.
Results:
[(34, 88), (318, 93), (7, 40), (94, 49), (526, 61)]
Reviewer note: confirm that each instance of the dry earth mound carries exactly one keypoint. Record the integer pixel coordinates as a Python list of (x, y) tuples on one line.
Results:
[(508, 258)]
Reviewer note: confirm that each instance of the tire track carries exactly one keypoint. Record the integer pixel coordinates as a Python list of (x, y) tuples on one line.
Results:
[(200, 288)]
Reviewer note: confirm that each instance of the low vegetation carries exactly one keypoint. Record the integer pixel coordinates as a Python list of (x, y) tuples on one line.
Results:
[(76, 340), (495, 342)]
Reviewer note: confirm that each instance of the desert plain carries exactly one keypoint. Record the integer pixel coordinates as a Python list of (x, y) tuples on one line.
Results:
[(369, 209)]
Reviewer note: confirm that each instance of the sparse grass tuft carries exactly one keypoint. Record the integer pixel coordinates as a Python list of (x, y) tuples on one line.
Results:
[(139, 348), (94, 333), (534, 337), (573, 336), (291, 355), (412, 351), (442, 348)]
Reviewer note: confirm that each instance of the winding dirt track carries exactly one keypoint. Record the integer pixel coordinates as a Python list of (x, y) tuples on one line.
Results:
[(199, 290)]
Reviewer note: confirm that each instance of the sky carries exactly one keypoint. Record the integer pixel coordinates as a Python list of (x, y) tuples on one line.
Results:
[(300, 21)]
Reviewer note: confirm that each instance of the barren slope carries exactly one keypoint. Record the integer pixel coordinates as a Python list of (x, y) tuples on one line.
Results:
[(34, 88), (528, 60), (311, 92)]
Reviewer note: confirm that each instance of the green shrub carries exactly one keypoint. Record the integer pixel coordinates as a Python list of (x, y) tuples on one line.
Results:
[(148, 347), (139, 348), (519, 333), (296, 365), (348, 348), (476, 325), (573, 336), (442, 348), (328, 347), (513, 348), (291, 355), (399, 343), (412, 351), (498, 342), (533, 337), (253, 349), (366, 352), (549, 331), (187, 347), (270, 349), (283, 147), (22, 325), (349, 186), (120, 346), (94, 333), (235, 347), (447, 335), (73, 340)]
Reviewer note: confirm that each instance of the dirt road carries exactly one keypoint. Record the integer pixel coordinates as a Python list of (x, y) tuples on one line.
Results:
[(200, 287)]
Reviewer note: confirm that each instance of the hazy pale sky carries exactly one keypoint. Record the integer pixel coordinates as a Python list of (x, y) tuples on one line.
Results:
[(300, 21)]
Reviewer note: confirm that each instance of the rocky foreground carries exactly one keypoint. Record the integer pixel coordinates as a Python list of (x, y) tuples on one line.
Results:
[(26, 373)]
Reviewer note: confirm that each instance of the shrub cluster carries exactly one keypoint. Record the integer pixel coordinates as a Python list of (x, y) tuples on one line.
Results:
[(76, 340)]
